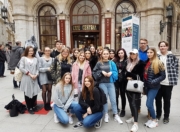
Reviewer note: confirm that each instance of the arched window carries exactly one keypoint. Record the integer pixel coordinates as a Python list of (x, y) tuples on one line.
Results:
[(47, 26), (123, 9)]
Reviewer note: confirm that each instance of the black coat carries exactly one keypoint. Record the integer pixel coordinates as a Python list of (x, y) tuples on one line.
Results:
[(2, 56)]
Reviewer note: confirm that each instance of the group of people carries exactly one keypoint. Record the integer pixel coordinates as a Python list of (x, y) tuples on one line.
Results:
[(78, 78)]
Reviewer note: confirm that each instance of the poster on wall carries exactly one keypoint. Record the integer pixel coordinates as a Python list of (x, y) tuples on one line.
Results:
[(130, 33)]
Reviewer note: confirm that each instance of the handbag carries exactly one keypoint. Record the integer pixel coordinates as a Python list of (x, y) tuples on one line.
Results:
[(14, 110), (135, 85), (17, 74)]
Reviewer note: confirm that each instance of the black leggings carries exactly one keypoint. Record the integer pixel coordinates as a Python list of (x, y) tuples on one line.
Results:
[(134, 103), (30, 102), (46, 91), (121, 90)]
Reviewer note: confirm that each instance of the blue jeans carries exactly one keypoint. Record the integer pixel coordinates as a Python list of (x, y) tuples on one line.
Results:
[(89, 120), (109, 89), (61, 114), (150, 101)]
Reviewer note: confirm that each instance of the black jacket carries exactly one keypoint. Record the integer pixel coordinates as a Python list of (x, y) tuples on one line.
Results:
[(153, 80), (54, 53), (93, 104), (121, 67), (93, 61), (2, 56), (137, 70)]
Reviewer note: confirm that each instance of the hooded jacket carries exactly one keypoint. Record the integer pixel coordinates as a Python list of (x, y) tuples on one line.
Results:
[(143, 54), (171, 68), (15, 56)]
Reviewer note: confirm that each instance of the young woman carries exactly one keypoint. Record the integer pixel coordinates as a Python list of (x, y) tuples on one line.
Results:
[(105, 73), (30, 68), (121, 63), (63, 100), (80, 70), (99, 52), (93, 50), (112, 54), (89, 110), (62, 64), (135, 67), (91, 58), (153, 75), (44, 66), (75, 54)]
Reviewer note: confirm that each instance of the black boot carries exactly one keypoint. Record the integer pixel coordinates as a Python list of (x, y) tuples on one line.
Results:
[(45, 107), (122, 114), (48, 106)]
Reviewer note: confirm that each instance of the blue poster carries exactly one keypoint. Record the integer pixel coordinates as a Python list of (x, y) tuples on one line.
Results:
[(135, 34)]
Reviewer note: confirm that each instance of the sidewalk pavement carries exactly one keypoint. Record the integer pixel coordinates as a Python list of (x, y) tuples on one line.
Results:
[(45, 123)]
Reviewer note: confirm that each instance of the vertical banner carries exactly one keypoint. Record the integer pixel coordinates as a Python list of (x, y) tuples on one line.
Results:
[(62, 31), (130, 33), (108, 32)]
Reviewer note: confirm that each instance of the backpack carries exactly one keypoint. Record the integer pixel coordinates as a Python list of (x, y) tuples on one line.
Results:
[(103, 99)]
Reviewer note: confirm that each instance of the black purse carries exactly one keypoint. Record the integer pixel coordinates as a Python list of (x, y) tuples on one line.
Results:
[(13, 112)]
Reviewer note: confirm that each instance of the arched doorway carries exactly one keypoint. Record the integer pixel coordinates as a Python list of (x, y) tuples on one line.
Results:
[(85, 24), (124, 8), (47, 26)]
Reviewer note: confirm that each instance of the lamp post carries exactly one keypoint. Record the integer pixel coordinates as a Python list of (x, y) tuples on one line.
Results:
[(4, 16)]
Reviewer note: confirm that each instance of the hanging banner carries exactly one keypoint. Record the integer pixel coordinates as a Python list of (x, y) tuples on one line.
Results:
[(130, 33), (108, 32), (62, 31)]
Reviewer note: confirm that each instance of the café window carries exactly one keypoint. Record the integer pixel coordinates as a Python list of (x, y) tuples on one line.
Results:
[(123, 9), (85, 12), (47, 26)]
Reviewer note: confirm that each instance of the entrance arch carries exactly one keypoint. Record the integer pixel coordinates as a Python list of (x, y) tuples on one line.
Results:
[(85, 23)]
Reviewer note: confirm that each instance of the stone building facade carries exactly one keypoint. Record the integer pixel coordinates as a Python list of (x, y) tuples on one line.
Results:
[(83, 22)]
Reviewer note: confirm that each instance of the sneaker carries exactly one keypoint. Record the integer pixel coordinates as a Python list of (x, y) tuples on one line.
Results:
[(52, 105), (106, 118), (122, 114), (118, 119), (134, 128), (153, 124), (70, 120), (31, 111), (78, 124), (55, 118), (166, 120), (130, 120), (148, 123), (98, 124)]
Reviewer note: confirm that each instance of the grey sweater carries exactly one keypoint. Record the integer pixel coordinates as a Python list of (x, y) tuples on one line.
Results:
[(63, 101)]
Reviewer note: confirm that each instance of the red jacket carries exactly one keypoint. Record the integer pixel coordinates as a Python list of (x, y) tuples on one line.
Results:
[(75, 72)]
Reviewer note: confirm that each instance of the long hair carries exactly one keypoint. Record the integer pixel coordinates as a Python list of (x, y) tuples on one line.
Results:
[(60, 57), (85, 89), (87, 49), (117, 58), (131, 63), (156, 64), (81, 52), (27, 51), (62, 82)]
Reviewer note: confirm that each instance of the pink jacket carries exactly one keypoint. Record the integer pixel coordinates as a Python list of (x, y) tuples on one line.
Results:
[(75, 72)]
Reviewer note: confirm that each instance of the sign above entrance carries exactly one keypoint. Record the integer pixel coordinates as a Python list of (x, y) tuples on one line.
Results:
[(85, 27)]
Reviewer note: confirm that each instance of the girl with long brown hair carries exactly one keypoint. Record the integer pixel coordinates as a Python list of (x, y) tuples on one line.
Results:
[(63, 100), (89, 110)]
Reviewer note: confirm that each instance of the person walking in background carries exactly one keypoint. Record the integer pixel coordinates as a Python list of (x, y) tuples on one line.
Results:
[(154, 73), (62, 64), (171, 64), (44, 66), (89, 110), (8, 53), (105, 73), (121, 63), (57, 50), (135, 67), (15, 57), (80, 69), (29, 85), (2, 61), (63, 100)]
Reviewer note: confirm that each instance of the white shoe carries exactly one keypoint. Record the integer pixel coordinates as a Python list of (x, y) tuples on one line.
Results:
[(153, 124), (52, 105), (134, 128), (70, 120), (55, 118), (106, 118), (118, 119), (130, 120), (98, 124), (148, 123)]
